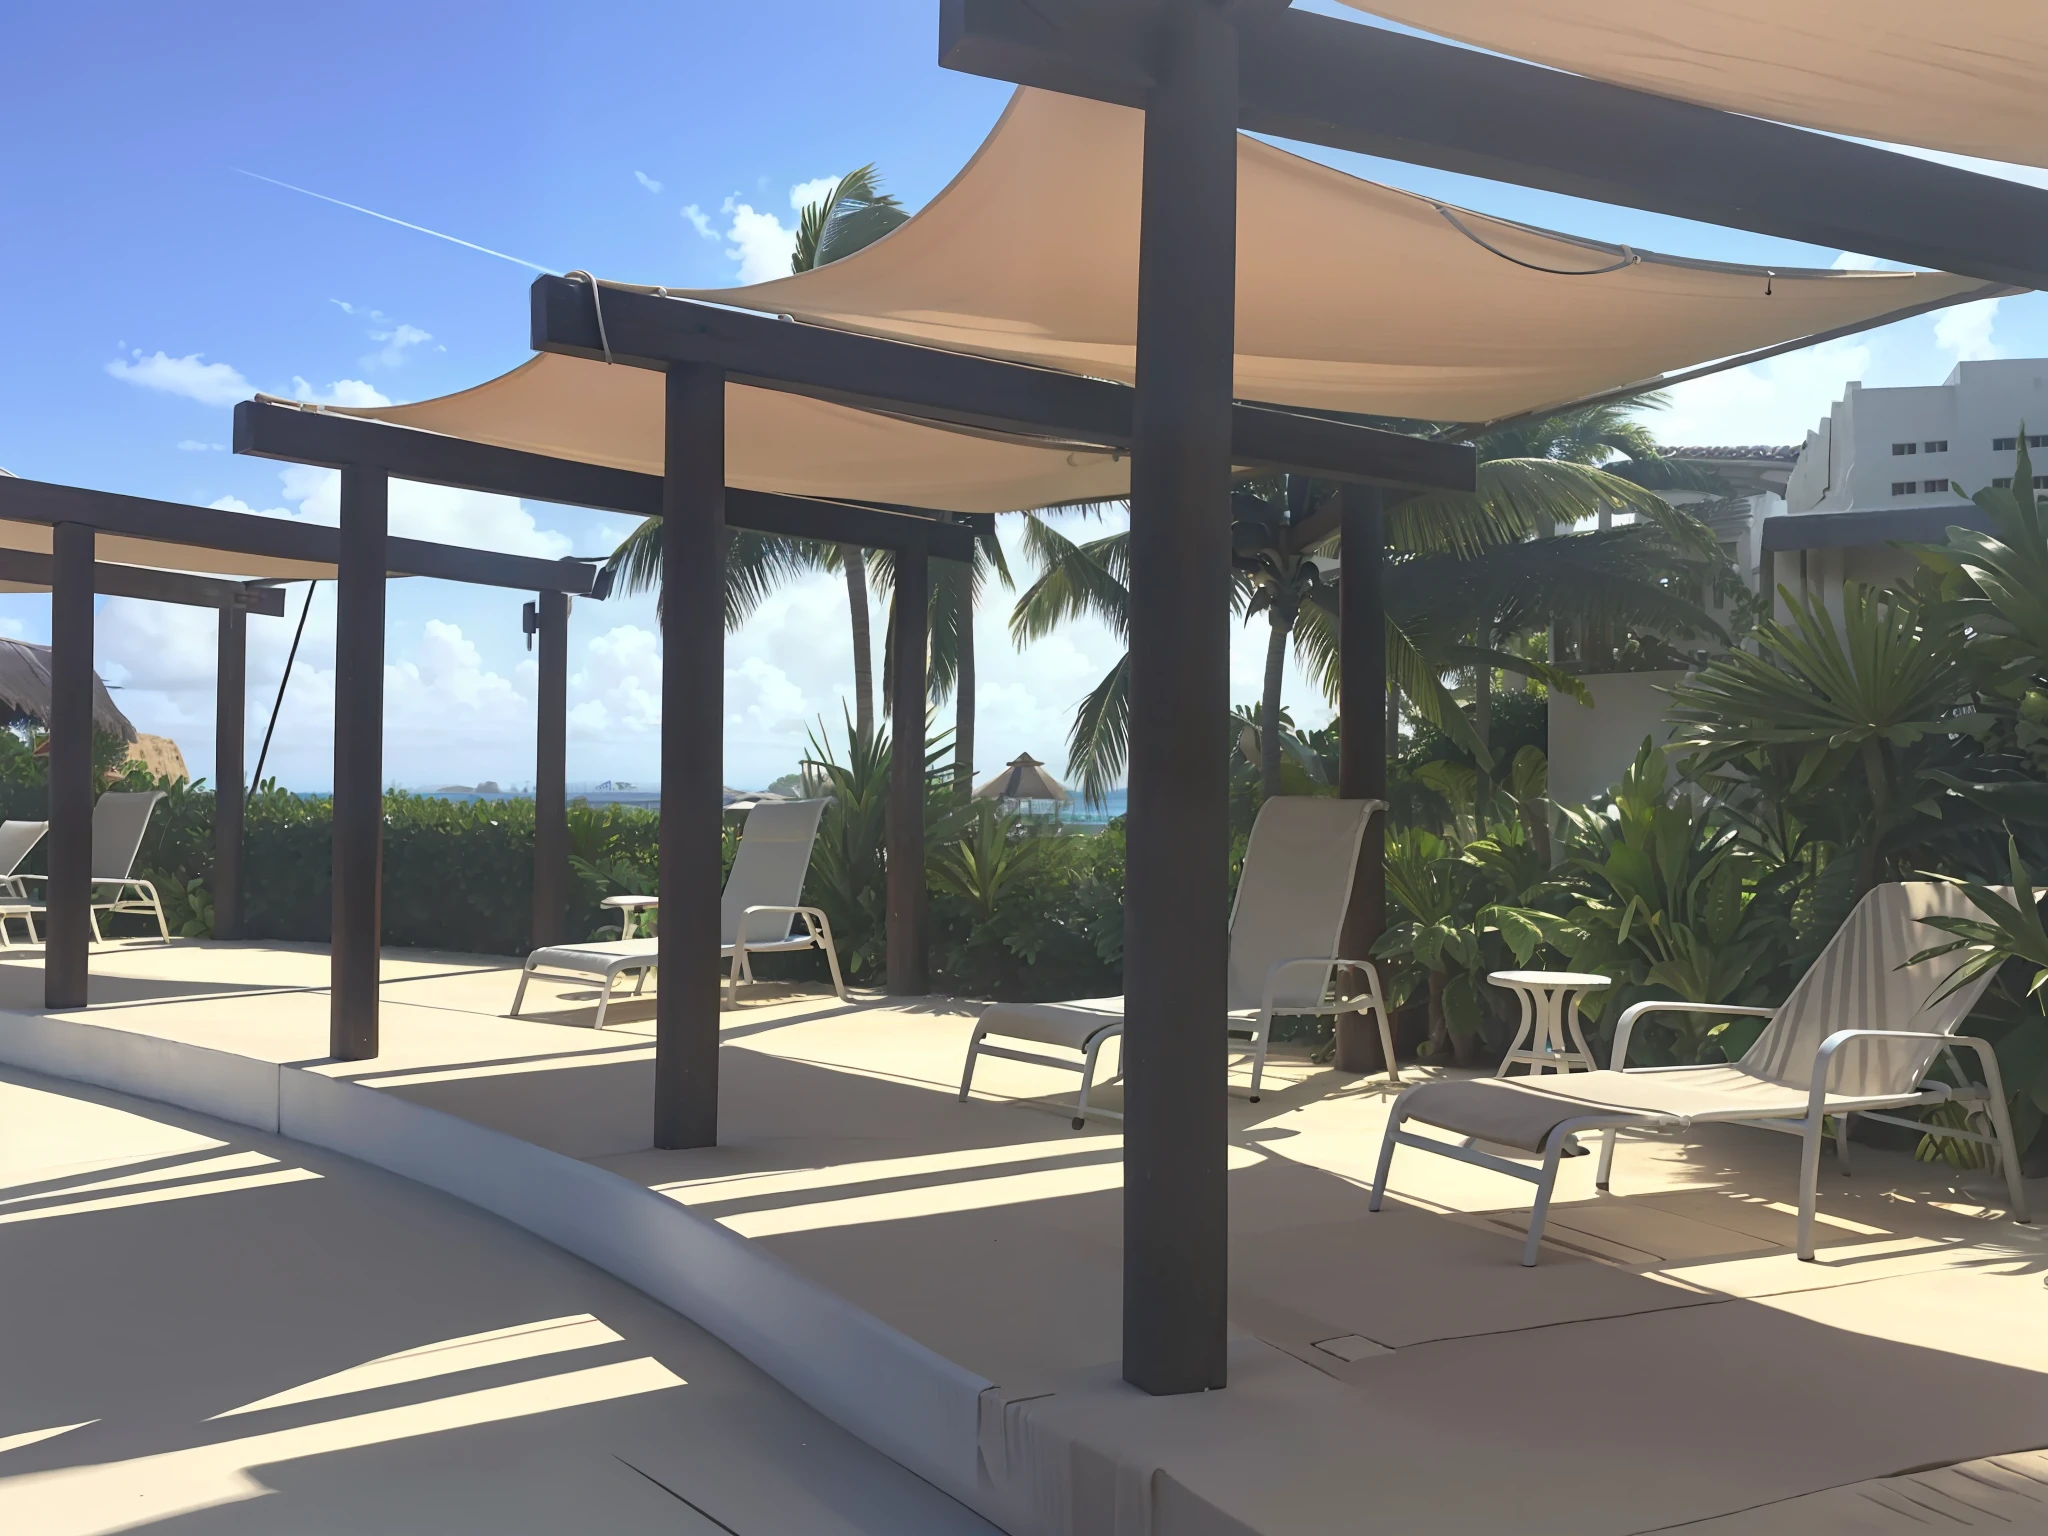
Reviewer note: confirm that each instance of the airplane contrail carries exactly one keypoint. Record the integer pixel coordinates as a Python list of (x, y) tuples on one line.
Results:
[(401, 223)]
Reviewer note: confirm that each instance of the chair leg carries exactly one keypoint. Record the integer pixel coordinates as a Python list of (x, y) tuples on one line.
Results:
[(1809, 1184), (1259, 1053), (1842, 1144), (1540, 1212), (1379, 1010), (1094, 1048), (640, 978), (157, 907), (1605, 1172), (832, 960), (1379, 1179), (604, 1001), (520, 996), (973, 1051), (732, 980)]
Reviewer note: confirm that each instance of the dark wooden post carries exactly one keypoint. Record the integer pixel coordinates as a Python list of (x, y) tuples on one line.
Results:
[(358, 763), (692, 757), (551, 772), (1176, 914), (67, 933), (231, 676), (912, 618), (1362, 745)]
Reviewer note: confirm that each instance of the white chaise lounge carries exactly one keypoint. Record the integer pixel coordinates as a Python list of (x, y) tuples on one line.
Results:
[(1284, 930), (760, 914), (119, 818), (17, 840), (1856, 1037)]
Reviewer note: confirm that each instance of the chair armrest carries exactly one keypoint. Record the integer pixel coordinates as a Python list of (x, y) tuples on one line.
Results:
[(1823, 1059), (1328, 965), (806, 912), (1627, 1024)]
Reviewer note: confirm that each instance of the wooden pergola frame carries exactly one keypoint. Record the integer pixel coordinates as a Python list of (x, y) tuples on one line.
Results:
[(1201, 70), (371, 453), (76, 518)]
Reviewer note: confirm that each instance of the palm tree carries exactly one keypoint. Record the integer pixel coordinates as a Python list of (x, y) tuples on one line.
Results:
[(956, 588), (854, 214), (1465, 580)]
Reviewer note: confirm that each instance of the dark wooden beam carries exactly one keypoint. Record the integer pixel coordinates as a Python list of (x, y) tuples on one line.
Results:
[(910, 618), (842, 523), (651, 331), (274, 538), (693, 540), (231, 683), (1351, 86), (30, 569), (550, 770), (1362, 745), (272, 431), (1176, 908), (352, 1030), (67, 931)]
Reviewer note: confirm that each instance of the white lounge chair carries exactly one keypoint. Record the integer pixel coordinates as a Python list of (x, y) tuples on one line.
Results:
[(17, 840), (1856, 1037), (119, 819), (1284, 930), (760, 913)]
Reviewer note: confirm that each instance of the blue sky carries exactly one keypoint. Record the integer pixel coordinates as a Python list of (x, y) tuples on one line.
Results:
[(155, 283)]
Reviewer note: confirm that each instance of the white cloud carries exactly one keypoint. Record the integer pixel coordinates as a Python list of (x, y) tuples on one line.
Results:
[(647, 181), (193, 445), (352, 392), (1769, 402), (396, 339), (190, 376), (805, 193), (617, 694), (437, 513), (1965, 330), (761, 243), (699, 221)]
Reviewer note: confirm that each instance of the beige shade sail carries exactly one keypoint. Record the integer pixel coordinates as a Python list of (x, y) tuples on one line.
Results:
[(156, 555), (599, 413), (1969, 77), (1351, 295)]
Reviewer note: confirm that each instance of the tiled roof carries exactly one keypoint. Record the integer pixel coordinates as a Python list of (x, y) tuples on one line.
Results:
[(1785, 454)]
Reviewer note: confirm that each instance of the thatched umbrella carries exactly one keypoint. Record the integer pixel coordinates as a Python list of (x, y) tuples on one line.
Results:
[(1024, 779), (25, 691)]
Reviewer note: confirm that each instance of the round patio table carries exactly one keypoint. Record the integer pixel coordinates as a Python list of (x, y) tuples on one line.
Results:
[(629, 909), (1550, 1007)]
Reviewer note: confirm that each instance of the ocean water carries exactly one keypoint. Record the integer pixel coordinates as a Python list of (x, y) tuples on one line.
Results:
[(1075, 812)]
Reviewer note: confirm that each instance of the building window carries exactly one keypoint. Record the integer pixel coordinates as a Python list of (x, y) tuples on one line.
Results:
[(1935, 485), (1905, 487), (2038, 441), (1935, 445), (2004, 444), (1900, 450), (2002, 483)]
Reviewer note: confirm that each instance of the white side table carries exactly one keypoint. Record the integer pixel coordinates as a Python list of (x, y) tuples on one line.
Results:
[(1550, 1007), (629, 909)]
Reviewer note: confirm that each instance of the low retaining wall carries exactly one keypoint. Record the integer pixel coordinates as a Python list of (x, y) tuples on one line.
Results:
[(911, 1404)]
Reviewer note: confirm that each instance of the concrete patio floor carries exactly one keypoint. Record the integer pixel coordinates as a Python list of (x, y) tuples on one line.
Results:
[(1668, 1363), (220, 1331)]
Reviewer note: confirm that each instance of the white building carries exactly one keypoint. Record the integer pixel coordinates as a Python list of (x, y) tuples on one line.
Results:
[(1901, 464)]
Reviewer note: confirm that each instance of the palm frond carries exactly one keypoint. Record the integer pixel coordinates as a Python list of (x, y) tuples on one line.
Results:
[(854, 214)]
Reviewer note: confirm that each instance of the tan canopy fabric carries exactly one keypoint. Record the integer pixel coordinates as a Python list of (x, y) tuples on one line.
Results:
[(1970, 77), (1351, 296), (611, 414), (118, 549)]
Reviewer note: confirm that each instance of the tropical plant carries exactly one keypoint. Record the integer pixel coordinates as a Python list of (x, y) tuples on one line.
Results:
[(983, 865), (1677, 906), (1462, 579), (1847, 717)]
